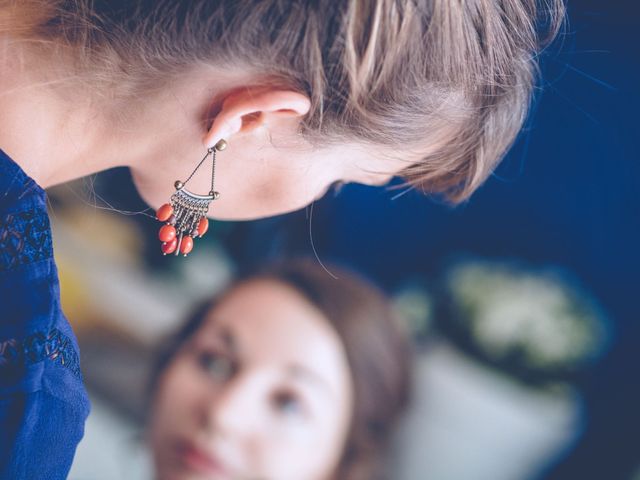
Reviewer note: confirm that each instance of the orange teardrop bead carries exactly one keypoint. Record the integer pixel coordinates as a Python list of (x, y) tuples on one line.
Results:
[(203, 226), (164, 212), (187, 245), (169, 247), (167, 233)]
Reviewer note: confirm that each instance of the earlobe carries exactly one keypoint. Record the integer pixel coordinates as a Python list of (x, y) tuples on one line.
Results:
[(248, 109)]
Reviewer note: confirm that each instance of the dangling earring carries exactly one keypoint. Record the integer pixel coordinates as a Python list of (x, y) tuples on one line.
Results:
[(185, 215)]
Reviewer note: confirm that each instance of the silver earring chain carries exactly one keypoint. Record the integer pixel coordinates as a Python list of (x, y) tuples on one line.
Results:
[(197, 167), (213, 169)]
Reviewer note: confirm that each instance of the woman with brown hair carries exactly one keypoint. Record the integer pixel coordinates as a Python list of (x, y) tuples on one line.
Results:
[(289, 375), (285, 97)]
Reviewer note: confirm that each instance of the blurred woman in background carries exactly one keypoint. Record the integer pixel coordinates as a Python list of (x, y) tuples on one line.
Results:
[(289, 375)]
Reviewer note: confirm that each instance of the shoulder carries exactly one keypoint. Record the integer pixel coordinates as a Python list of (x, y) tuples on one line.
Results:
[(17, 189), (25, 234), (34, 333)]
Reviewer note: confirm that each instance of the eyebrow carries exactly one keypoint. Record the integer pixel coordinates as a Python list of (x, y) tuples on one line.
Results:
[(226, 336), (304, 374), (228, 339)]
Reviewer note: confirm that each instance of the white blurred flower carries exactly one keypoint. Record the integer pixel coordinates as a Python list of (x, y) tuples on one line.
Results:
[(539, 315), (415, 307)]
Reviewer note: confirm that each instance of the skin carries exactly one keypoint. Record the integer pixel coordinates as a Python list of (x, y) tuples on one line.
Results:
[(58, 130), (262, 391)]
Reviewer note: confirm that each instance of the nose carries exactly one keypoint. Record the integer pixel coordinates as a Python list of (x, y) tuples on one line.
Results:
[(381, 181), (234, 409), (323, 191)]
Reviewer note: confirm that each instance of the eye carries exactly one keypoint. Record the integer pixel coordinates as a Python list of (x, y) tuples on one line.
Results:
[(215, 365), (287, 403)]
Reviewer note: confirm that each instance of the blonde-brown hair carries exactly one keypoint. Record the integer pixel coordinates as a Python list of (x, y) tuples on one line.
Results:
[(448, 80)]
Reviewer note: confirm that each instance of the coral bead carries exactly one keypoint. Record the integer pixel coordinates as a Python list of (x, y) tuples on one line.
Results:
[(167, 233), (203, 226), (187, 245), (169, 247), (164, 212)]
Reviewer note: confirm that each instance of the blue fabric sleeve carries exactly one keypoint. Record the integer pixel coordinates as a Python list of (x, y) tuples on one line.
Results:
[(42, 444), (43, 402)]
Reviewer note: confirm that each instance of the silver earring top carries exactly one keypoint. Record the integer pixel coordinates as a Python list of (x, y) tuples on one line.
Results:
[(221, 145)]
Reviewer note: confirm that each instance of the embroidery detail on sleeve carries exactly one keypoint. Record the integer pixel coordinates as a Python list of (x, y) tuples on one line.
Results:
[(25, 237), (38, 347)]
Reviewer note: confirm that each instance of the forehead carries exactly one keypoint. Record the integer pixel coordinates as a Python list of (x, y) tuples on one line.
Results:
[(271, 324)]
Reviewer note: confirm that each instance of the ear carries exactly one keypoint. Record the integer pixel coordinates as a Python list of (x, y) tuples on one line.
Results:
[(245, 110)]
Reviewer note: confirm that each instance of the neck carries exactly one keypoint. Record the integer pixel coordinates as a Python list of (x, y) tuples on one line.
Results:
[(58, 128), (53, 131)]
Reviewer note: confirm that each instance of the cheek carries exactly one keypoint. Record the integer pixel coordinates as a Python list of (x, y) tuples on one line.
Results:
[(155, 191), (310, 450), (265, 193), (314, 450), (175, 404), (249, 187)]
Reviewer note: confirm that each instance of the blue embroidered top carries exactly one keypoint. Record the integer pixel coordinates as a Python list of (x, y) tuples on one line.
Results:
[(43, 403)]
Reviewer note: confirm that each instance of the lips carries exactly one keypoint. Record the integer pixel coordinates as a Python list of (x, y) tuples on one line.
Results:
[(199, 461)]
